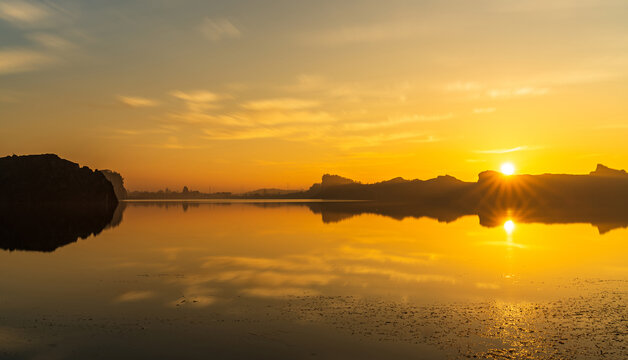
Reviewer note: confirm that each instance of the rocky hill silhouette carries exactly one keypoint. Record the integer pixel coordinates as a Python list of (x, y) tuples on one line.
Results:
[(442, 189), (48, 178), (602, 187), (602, 170)]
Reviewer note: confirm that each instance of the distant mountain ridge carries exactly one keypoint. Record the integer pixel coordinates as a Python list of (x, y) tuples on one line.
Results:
[(599, 188), (442, 188), (268, 192), (602, 186)]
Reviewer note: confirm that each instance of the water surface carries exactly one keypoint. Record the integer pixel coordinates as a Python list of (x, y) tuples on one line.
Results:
[(305, 280)]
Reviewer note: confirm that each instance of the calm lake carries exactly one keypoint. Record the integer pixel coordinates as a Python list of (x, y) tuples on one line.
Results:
[(294, 280)]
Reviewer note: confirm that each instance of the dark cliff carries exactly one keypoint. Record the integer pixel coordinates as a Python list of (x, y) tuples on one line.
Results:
[(47, 178)]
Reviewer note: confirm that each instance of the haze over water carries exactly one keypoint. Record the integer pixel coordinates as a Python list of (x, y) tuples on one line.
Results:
[(272, 280)]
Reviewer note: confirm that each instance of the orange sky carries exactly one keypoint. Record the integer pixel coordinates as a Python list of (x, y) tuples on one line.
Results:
[(242, 95)]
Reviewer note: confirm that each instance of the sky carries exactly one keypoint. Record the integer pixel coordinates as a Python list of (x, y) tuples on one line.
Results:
[(237, 95)]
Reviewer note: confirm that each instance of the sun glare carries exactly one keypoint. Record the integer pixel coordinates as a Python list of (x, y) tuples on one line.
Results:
[(509, 226), (507, 168)]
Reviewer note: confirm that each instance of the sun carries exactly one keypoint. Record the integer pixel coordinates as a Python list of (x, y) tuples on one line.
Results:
[(507, 169), (509, 226)]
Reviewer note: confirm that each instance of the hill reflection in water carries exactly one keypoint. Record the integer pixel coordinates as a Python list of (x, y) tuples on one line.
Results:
[(605, 218), (47, 227)]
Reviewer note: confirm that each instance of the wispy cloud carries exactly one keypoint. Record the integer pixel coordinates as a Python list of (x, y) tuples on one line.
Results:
[(46, 47), (318, 126), (174, 143), (20, 60), (154, 130), (199, 100), (503, 151), (197, 103), (422, 118), (219, 29), (292, 117), (24, 13), (192, 117), (297, 118), (137, 102), (477, 89), (171, 143), (291, 125), (399, 120), (50, 41), (196, 96), (546, 6), (356, 92), (352, 142), (247, 133), (279, 104)]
